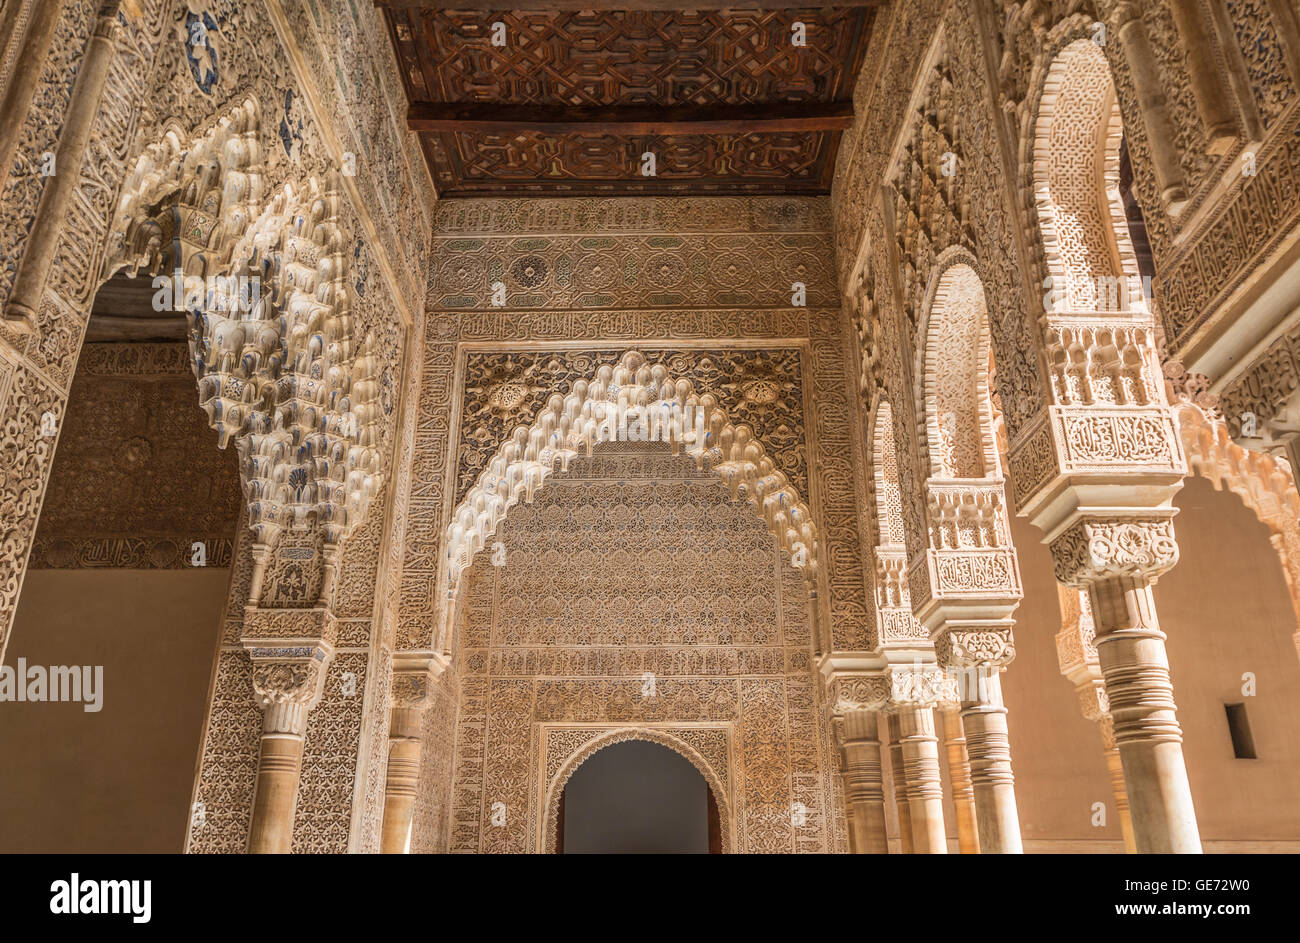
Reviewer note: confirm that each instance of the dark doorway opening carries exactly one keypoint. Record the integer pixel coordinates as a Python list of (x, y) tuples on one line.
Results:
[(638, 797)]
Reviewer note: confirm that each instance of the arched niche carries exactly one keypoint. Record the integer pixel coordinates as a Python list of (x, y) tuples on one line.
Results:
[(886, 492), (957, 433), (1090, 261), (633, 395)]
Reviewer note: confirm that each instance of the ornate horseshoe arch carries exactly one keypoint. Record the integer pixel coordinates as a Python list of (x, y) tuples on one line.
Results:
[(665, 738), (1262, 482)]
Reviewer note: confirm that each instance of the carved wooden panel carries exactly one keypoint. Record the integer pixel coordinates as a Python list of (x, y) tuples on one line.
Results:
[(707, 58)]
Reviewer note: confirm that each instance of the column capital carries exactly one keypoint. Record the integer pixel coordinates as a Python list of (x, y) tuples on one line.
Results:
[(890, 688), (290, 650), (415, 675), (977, 645), (294, 674), (1095, 549)]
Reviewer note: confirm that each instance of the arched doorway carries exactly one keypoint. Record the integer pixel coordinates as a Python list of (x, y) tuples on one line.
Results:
[(638, 797)]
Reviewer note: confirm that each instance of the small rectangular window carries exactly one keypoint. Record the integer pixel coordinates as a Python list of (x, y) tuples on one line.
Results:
[(1243, 744)]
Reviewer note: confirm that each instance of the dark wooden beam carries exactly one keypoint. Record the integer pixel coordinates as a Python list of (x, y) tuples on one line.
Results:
[(629, 119), (106, 328), (123, 310), (543, 6)]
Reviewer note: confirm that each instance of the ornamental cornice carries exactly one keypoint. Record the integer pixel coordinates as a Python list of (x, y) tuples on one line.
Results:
[(269, 627)]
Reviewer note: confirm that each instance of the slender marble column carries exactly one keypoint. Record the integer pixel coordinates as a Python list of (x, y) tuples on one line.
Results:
[(984, 718), (288, 681), (1147, 82), (403, 775), (1135, 668), (279, 768), (1115, 766), (924, 786), (38, 255), (963, 794), (864, 787), (902, 804), (415, 675)]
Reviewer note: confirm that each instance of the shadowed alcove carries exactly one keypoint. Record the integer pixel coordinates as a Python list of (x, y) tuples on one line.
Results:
[(638, 797)]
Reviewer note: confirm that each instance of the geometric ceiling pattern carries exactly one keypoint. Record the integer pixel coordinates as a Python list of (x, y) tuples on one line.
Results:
[(550, 102)]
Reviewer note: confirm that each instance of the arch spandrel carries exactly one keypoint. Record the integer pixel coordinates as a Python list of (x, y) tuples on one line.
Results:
[(635, 401)]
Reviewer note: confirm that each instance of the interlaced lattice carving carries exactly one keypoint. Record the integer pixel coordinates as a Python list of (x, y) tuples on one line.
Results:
[(957, 417), (634, 593), (1088, 253)]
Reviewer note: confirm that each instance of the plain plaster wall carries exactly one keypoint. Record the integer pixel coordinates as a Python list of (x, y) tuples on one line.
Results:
[(118, 780)]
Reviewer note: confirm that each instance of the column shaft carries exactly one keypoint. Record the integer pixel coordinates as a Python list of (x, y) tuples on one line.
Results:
[(1213, 98), (1135, 668), (924, 786), (1161, 141), (279, 768), (47, 227), (1115, 766), (984, 718), (403, 776), (17, 101), (963, 794), (902, 806), (864, 786)]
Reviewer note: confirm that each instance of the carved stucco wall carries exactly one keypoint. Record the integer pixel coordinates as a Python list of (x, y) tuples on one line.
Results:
[(635, 561), (347, 113), (691, 279), (704, 286)]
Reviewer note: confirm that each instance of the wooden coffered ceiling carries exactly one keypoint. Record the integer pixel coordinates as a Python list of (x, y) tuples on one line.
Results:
[(723, 98)]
